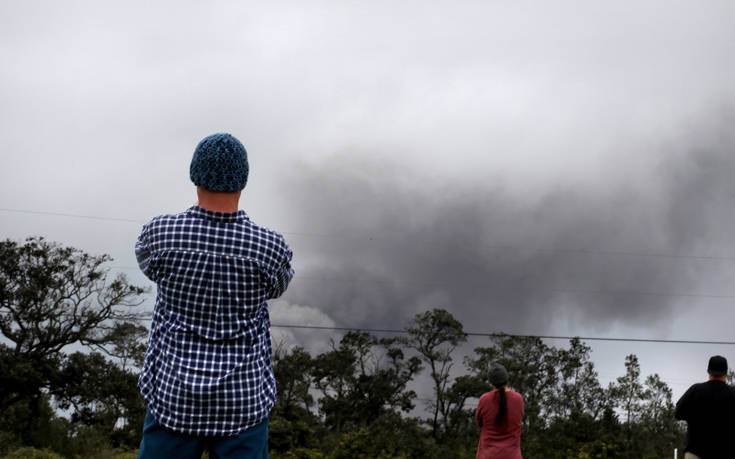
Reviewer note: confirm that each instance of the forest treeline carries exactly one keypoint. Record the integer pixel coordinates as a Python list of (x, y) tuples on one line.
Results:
[(357, 399)]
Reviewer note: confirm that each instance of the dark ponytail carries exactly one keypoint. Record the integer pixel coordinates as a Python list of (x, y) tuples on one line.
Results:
[(498, 376), (503, 406)]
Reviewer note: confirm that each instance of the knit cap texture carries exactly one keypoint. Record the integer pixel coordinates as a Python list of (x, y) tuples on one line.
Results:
[(220, 163), (497, 375)]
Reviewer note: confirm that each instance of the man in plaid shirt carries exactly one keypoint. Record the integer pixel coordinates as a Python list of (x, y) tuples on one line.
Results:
[(208, 376)]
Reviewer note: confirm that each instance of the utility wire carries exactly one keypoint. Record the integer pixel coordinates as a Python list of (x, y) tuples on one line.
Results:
[(488, 334), (396, 331), (578, 251), (61, 214)]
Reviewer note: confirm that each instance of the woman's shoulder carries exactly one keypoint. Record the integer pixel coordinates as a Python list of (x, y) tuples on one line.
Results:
[(487, 395)]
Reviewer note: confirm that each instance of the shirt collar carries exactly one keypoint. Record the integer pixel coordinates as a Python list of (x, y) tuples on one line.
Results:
[(225, 217)]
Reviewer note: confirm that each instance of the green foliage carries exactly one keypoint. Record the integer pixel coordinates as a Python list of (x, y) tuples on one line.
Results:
[(390, 436), (52, 297), (22, 376), (435, 335), (123, 453), (290, 429), (293, 378), (361, 379), (581, 393), (627, 394), (297, 453), (28, 452), (31, 422), (102, 395), (127, 342), (658, 427)]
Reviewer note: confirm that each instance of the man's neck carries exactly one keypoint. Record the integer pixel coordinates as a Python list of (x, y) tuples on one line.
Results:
[(218, 202)]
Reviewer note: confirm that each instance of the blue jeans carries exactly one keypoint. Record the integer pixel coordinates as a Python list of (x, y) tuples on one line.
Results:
[(161, 443)]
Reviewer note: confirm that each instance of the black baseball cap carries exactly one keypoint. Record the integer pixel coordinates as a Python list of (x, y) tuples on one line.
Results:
[(717, 365)]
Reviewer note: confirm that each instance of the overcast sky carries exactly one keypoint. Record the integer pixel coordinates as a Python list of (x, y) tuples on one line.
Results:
[(532, 167)]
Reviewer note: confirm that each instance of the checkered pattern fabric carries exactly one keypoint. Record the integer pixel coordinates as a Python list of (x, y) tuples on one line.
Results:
[(208, 368)]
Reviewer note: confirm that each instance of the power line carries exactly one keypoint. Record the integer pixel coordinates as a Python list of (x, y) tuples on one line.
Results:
[(396, 331), (486, 334), (61, 214), (578, 251)]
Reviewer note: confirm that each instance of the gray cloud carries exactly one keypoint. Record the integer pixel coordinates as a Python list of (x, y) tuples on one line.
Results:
[(385, 248)]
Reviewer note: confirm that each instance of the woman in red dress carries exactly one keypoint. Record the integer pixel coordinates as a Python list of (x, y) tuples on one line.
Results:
[(499, 415)]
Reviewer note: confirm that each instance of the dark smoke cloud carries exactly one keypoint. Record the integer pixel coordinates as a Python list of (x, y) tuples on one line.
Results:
[(385, 244)]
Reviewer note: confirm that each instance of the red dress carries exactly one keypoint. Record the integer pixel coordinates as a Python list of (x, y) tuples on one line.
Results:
[(499, 441)]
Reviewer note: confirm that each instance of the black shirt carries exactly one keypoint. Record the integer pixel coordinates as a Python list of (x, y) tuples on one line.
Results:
[(709, 409)]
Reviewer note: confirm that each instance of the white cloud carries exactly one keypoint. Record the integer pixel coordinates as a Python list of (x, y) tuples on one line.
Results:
[(313, 340)]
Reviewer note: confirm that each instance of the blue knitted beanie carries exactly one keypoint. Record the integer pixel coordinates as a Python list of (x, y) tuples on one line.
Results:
[(220, 163)]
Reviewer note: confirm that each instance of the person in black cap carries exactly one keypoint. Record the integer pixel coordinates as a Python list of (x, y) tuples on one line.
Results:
[(499, 414), (709, 410)]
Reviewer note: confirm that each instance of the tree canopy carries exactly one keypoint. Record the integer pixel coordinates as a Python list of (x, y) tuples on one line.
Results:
[(53, 297)]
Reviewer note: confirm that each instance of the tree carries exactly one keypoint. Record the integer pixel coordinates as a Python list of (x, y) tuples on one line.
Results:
[(435, 335), (581, 417), (334, 373), (128, 344), (26, 413), (103, 396), (293, 378), (361, 379), (580, 392), (459, 419), (51, 297), (663, 432), (627, 394)]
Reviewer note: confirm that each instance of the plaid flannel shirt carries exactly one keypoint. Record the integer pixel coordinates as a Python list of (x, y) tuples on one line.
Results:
[(208, 368)]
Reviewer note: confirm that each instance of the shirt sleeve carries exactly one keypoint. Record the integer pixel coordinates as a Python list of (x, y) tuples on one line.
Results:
[(683, 406), (282, 275), (144, 254)]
